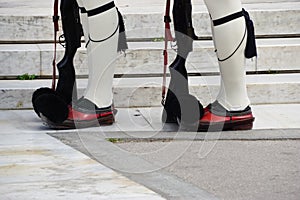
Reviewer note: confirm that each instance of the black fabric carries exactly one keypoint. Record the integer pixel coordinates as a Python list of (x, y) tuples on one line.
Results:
[(251, 50), (71, 24), (187, 109), (48, 103), (72, 29), (38, 93), (54, 104), (101, 9), (66, 85), (82, 10), (184, 31), (167, 19), (178, 86), (180, 104), (122, 43)]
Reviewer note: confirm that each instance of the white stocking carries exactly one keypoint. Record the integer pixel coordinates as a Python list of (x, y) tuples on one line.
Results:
[(101, 36), (227, 38)]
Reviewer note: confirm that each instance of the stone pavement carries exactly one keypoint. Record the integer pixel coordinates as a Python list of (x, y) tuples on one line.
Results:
[(124, 160), (33, 165)]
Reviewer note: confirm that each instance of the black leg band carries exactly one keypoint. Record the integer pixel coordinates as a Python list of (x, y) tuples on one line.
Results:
[(228, 18), (101, 9), (250, 49), (82, 10)]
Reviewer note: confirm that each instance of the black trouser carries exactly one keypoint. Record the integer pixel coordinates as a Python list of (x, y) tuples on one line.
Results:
[(66, 86), (184, 35), (184, 31)]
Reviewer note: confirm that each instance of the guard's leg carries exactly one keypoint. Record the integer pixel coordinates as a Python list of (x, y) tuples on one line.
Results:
[(178, 92), (102, 46), (66, 86), (101, 22), (184, 31), (101, 29), (50, 104), (231, 109)]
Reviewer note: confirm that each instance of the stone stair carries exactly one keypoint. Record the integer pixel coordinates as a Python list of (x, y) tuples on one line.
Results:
[(26, 47)]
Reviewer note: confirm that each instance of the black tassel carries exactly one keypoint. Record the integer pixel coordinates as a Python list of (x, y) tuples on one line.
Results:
[(122, 44), (250, 50)]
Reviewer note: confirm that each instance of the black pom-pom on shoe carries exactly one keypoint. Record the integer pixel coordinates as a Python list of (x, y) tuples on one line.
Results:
[(51, 106), (188, 109), (188, 112), (38, 93)]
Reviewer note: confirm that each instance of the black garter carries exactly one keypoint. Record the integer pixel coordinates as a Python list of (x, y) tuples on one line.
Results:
[(250, 50)]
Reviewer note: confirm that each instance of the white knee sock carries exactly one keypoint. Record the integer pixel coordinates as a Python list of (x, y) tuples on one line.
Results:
[(102, 43), (228, 40)]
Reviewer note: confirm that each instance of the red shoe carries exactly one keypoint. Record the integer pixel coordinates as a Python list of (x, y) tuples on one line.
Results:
[(217, 118), (84, 114)]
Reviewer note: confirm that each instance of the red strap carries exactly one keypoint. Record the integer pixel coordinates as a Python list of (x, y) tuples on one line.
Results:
[(168, 34), (56, 29), (55, 15), (168, 37)]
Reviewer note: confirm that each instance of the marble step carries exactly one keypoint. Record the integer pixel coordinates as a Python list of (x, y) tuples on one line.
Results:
[(146, 91), (31, 21), (279, 54)]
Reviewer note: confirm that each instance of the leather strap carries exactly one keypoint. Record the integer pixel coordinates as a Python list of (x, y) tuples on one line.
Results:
[(101, 9), (168, 38), (56, 29), (228, 18)]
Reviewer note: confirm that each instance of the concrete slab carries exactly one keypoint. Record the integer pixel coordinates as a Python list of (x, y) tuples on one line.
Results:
[(225, 165), (23, 24), (146, 58), (131, 92), (230, 169), (205, 169), (274, 116), (174, 165), (34, 165), (146, 122)]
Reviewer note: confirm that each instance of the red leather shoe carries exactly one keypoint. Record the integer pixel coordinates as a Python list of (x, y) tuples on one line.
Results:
[(217, 118), (84, 114)]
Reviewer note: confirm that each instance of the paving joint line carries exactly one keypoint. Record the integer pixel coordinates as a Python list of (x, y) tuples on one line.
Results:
[(252, 135)]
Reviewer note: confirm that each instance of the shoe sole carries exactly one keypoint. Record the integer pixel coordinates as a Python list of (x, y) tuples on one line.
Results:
[(245, 124), (70, 124)]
